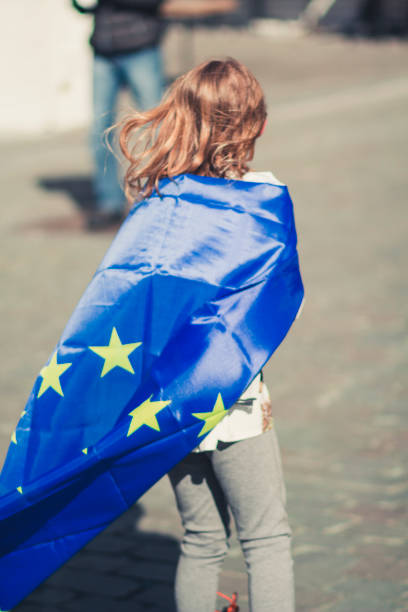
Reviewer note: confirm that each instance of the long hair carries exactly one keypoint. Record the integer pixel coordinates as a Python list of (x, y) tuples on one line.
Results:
[(206, 124)]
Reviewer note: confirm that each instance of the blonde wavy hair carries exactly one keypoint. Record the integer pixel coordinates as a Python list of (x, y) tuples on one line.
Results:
[(206, 124)]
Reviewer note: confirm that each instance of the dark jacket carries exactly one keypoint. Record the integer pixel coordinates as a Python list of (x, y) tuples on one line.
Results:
[(124, 26)]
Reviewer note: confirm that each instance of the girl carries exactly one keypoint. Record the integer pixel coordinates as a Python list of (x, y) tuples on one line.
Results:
[(207, 125)]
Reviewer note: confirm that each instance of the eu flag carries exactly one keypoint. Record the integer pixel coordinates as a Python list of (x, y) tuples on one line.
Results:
[(197, 290)]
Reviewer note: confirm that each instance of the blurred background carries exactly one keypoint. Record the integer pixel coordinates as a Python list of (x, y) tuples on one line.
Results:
[(45, 62), (335, 79)]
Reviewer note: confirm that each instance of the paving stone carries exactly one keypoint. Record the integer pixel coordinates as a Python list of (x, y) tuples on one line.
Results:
[(99, 604), (126, 525), (94, 583), (153, 548), (108, 543), (48, 596), (102, 562), (311, 599), (160, 595), (150, 570), (32, 607)]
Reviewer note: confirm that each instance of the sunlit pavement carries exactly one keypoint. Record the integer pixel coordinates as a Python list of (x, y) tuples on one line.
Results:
[(337, 134)]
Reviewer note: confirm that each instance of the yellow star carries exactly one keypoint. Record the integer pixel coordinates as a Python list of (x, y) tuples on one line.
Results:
[(211, 418), (13, 437), (145, 414), (115, 354), (51, 375)]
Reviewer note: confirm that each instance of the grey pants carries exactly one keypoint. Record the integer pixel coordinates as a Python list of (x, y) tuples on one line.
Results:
[(245, 477)]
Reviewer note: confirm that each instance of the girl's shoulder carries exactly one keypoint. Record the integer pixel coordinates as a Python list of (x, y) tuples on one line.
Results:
[(261, 177)]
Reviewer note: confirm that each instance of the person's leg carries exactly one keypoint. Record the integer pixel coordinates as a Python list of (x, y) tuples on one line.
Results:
[(205, 518), (250, 475), (143, 73), (106, 84)]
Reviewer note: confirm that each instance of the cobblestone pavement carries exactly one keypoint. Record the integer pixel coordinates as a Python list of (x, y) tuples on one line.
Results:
[(337, 134)]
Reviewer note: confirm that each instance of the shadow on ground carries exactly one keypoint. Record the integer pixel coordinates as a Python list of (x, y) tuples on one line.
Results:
[(121, 570), (80, 192), (77, 187)]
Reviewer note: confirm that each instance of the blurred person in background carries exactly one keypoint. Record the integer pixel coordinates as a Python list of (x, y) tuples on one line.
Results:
[(125, 40), (381, 18)]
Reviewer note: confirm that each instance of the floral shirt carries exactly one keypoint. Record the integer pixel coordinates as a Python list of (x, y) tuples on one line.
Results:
[(250, 416)]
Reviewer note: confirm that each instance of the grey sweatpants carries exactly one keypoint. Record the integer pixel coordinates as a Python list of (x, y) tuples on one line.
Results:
[(245, 477)]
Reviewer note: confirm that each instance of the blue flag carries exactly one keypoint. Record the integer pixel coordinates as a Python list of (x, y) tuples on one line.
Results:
[(197, 290)]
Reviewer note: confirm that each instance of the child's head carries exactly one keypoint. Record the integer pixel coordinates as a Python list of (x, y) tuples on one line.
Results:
[(206, 124)]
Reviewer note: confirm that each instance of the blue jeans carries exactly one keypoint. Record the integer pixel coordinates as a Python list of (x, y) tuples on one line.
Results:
[(141, 71)]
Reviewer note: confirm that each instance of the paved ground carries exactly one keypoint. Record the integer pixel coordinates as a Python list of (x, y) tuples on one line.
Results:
[(337, 134)]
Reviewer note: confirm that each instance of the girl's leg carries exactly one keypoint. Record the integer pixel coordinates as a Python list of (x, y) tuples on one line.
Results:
[(205, 518), (250, 475)]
